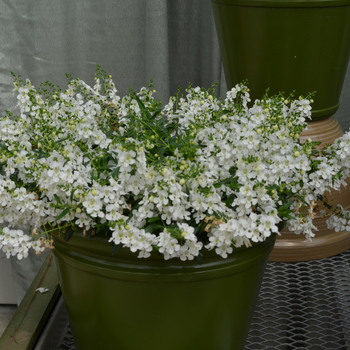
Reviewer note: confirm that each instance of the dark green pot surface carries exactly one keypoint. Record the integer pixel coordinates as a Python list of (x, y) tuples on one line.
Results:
[(286, 45), (122, 302)]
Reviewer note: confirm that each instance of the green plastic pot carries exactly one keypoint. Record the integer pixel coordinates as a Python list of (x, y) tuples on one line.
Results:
[(122, 302), (286, 45)]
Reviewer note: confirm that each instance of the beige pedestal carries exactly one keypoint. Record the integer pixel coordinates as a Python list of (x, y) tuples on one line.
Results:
[(326, 243)]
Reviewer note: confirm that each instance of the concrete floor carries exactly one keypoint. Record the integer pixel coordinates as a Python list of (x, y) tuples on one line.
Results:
[(6, 313)]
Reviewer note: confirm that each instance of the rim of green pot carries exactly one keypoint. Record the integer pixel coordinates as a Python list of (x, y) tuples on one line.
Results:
[(284, 3), (95, 256)]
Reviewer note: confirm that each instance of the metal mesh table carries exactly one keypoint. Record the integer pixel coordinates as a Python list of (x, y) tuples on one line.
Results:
[(301, 305)]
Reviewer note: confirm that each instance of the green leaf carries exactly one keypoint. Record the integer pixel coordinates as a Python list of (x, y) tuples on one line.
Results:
[(72, 195), (286, 205), (61, 140), (94, 174), (156, 113), (229, 200), (115, 248), (287, 216), (68, 234), (41, 154), (115, 173), (200, 258), (57, 199), (154, 227), (200, 228), (153, 219), (64, 212), (141, 105)]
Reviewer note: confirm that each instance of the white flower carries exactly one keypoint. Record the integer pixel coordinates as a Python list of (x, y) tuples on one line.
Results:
[(190, 250), (267, 225), (168, 245), (223, 250), (16, 243), (92, 203), (304, 106)]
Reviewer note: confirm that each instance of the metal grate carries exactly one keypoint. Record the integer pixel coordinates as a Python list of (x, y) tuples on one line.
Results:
[(302, 305), (67, 342)]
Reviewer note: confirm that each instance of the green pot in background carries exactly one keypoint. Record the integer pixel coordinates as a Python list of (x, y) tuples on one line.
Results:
[(122, 302), (286, 45)]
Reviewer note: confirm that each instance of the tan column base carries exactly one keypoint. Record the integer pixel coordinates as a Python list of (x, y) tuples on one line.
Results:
[(326, 243)]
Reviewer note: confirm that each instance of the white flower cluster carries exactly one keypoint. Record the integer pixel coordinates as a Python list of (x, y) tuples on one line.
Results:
[(16, 243), (341, 221), (199, 173)]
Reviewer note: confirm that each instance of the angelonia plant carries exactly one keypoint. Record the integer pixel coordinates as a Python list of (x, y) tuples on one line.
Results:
[(198, 173)]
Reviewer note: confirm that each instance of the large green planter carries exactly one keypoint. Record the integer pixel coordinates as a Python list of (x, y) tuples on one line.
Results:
[(122, 302), (286, 45)]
